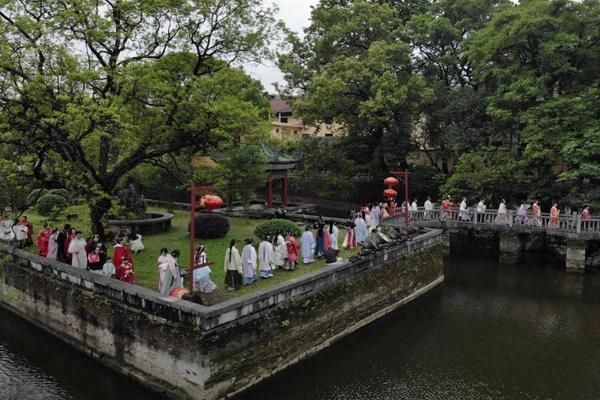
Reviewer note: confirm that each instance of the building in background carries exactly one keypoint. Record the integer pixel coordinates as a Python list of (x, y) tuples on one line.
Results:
[(287, 127)]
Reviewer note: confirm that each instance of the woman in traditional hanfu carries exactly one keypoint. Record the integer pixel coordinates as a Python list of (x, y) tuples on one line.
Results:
[(280, 250), (360, 228), (333, 236), (350, 238), (53, 245), (554, 216), (233, 267), (121, 250), (502, 216), (249, 262), (266, 258), (308, 246), (292, 251), (43, 239)]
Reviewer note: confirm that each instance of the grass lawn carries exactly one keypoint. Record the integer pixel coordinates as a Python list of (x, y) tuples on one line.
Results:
[(177, 238)]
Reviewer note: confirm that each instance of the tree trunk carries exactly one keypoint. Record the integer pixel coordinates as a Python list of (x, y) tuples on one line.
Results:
[(99, 209)]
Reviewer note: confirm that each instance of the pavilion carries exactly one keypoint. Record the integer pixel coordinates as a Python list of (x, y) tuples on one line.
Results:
[(277, 166)]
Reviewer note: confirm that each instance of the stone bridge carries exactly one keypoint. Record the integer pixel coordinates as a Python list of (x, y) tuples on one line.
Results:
[(569, 241)]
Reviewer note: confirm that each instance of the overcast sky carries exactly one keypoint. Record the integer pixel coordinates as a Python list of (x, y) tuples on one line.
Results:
[(296, 15)]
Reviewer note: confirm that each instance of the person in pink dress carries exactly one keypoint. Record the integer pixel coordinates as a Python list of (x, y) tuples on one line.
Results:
[(585, 218), (292, 248)]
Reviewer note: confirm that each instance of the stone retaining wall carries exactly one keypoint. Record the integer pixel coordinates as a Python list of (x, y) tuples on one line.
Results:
[(187, 350)]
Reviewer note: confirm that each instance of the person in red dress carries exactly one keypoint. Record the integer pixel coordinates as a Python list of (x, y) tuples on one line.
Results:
[(121, 250), (43, 239), (292, 248), (125, 271)]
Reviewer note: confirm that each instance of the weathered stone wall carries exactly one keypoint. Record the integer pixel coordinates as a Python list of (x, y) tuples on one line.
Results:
[(186, 350)]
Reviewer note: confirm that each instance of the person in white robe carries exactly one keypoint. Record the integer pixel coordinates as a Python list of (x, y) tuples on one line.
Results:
[(481, 211), (280, 250), (373, 218), (6, 231), (162, 264), (173, 278), (360, 228), (266, 258), (333, 236), (502, 217), (307, 242), (77, 248), (464, 211), (53, 245), (414, 209), (136, 244), (428, 209), (249, 262)]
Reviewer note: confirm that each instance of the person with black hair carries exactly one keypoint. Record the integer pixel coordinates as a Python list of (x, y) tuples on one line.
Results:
[(333, 236), (249, 257), (172, 277), (162, 263), (233, 267), (61, 251)]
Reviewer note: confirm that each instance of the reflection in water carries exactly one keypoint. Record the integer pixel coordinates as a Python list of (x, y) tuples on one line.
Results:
[(34, 366), (489, 332)]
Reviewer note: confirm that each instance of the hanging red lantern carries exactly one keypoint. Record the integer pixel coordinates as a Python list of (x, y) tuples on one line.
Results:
[(211, 202), (391, 181), (390, 193)]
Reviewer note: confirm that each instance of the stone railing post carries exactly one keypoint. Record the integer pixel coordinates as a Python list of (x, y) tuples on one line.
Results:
[(578, 224), (510, 217)]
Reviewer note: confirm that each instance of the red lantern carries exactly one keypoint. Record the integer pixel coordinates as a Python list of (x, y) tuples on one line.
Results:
[(391, 181), (211, 202), (390, 193)]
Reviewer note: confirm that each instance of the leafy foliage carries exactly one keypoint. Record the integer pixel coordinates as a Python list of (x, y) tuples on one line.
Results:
[(274, 226), (51, 205), (92, 90)]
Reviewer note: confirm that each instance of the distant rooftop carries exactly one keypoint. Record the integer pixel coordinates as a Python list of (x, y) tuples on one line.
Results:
[(280, 106)]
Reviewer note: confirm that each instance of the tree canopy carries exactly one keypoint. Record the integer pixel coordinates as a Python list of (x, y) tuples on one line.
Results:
[(93, 89)]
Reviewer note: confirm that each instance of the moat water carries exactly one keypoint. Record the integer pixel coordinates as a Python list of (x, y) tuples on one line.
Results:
[(489, 332)]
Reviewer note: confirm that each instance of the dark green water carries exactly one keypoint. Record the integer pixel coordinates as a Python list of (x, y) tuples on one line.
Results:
[(490, 332)]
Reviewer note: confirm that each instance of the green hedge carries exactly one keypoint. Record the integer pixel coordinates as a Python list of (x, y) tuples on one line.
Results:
[(211, 226), (270, 228)]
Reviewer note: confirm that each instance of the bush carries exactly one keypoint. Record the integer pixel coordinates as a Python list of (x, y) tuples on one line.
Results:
[(51, 205), (211, 226), (270, 228), (64, 193)]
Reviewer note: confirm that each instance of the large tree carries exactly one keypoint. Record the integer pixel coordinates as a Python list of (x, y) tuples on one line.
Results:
[(92, 89), (539, 60), (354, 68)]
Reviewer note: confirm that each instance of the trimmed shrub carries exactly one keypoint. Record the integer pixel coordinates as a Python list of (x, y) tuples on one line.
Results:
[(51, 205), (211, 226), (270, 228), (64, 193), (36, 194)]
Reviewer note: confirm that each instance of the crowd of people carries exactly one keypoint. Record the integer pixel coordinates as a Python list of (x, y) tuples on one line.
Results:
[(69, 246), (525, 214), (283, 251)]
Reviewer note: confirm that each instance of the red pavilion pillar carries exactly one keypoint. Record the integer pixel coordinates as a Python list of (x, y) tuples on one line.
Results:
[(270, 192), (284, 190)]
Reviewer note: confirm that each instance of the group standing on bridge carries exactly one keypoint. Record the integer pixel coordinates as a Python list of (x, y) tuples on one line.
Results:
[(526, 213)]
